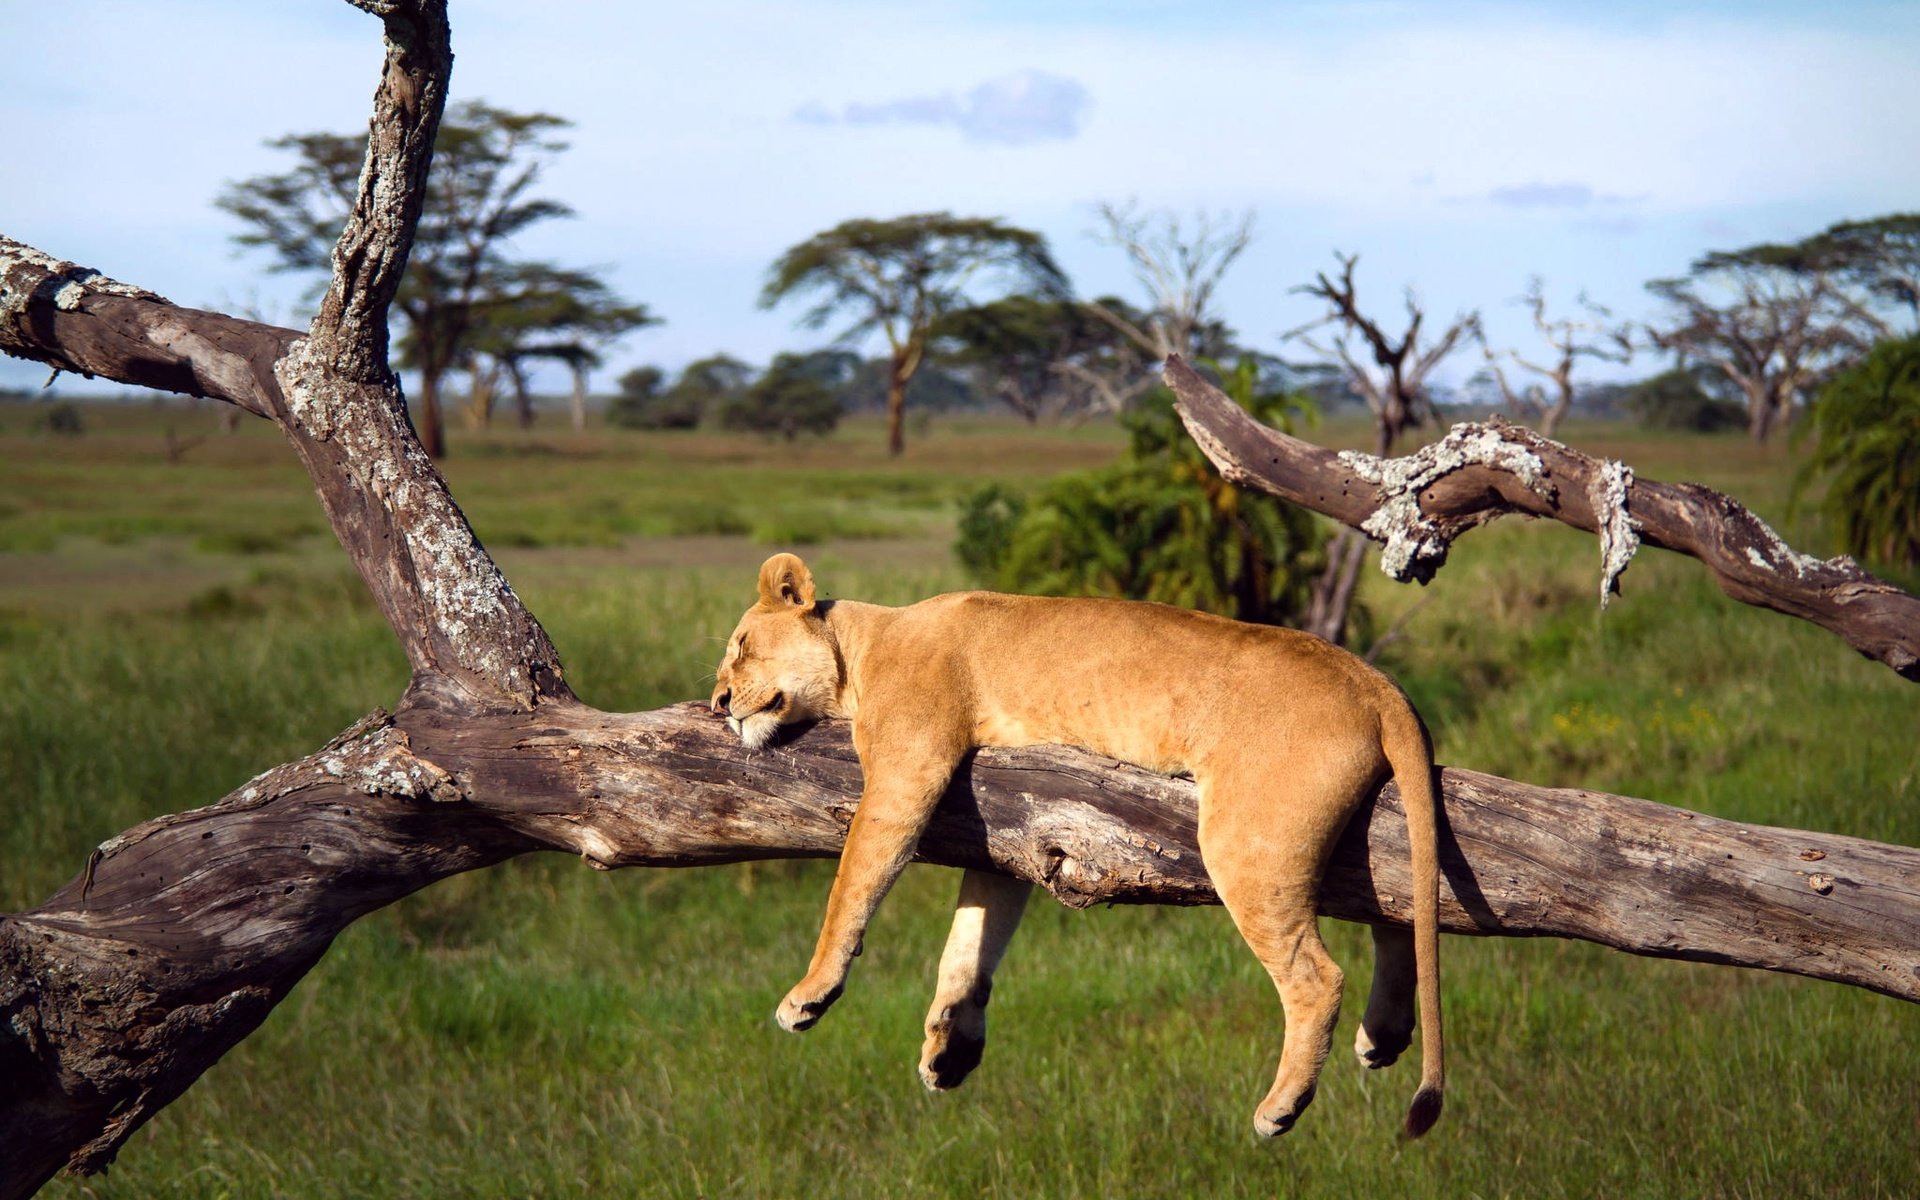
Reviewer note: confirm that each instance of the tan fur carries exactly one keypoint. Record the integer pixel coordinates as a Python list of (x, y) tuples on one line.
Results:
[(1284, 734)]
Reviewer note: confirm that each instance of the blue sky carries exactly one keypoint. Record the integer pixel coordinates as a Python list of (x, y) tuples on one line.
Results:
[(1458, 148)]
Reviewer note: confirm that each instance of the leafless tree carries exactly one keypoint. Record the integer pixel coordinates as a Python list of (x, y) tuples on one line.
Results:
[(1179, 263), (1394, 386), (1596, 336), (1393, 380)]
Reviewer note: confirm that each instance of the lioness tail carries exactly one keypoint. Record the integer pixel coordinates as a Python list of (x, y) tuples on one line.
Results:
[(1410, 753)]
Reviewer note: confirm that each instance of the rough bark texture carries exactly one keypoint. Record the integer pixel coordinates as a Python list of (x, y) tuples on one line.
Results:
[(177, 937), (1417, 505), (75, 319)]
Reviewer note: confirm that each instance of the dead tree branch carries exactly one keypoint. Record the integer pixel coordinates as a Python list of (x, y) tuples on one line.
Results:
[(1394, 385), (1416, 506)]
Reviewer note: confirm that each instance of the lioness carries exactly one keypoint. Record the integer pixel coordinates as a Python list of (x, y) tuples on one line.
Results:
[(1284, 735)]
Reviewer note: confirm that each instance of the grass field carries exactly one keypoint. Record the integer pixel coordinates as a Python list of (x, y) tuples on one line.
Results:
[(169, 629)]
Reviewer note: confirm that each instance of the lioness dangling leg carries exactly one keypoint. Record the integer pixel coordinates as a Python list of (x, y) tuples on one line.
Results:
[(1265, 842), (1387, 1029), (899, 796), (984, 920)]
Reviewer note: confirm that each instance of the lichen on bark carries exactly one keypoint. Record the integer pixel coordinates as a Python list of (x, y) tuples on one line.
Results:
[(1414, 546), (1619, 532)]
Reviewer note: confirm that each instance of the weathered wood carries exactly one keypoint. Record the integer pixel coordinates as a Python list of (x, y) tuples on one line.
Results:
[(673, 787), (1500, 468), (75, 319)]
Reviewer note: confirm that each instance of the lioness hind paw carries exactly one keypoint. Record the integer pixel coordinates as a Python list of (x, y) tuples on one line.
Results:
[(1382, 1053), (948, 1067), (1278, 1120)]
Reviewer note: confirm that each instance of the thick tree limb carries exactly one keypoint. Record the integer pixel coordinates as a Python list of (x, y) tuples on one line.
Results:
[(76, 319), (1417, 505)]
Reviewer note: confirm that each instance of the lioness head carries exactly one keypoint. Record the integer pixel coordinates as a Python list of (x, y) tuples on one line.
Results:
[(780, 666)]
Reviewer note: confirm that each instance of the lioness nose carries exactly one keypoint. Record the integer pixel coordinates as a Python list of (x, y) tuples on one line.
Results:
[(720, 702)]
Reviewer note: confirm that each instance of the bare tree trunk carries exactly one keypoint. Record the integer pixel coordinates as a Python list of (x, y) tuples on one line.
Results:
[(1760, 413), (1331, 604), (481, 393), (1394, 388), (1557, 411), (522, 399), (579, 400), (898, 373), (432, 428)]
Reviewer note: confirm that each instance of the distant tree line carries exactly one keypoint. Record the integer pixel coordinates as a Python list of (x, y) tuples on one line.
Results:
[(975, 312)]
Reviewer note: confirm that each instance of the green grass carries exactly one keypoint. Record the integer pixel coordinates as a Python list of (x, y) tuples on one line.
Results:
[(543, 1029)]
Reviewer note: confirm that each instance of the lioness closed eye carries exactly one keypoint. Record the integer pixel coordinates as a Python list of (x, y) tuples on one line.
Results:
[(1284, 735)]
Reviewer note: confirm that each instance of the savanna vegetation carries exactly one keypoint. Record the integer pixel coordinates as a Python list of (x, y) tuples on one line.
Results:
[(174, 615)]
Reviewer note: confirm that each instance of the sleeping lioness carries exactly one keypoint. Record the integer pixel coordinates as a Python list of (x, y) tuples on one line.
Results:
[(1284, 735)]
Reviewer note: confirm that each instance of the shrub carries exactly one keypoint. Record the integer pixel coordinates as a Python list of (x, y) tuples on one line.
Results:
[(63, 418), (1677, 400), (788, 400), (1159, 525), (1867, 422), (642, 404)]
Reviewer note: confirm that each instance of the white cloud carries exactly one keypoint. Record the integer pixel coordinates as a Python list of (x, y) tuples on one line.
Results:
[(1012, 110), (1553, 195)]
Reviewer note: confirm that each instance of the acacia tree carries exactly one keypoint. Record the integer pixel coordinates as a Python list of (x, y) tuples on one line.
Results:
[(1880, 255), (899, 276), (1041, 356), (1772, 319), (536, 312), (176, 938), (1571, 339), (486, 163)]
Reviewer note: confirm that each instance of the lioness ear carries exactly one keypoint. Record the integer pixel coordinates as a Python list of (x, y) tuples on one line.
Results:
[(785, 581)]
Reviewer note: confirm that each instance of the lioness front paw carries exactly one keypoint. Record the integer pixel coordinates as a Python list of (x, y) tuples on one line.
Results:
[(1272, 1119), (797, 1013)]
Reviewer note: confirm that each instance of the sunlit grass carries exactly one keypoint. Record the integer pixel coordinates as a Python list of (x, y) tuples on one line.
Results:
[(543, 1029)]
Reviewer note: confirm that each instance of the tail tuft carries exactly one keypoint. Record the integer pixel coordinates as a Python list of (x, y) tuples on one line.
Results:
[(1424, 1111)]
